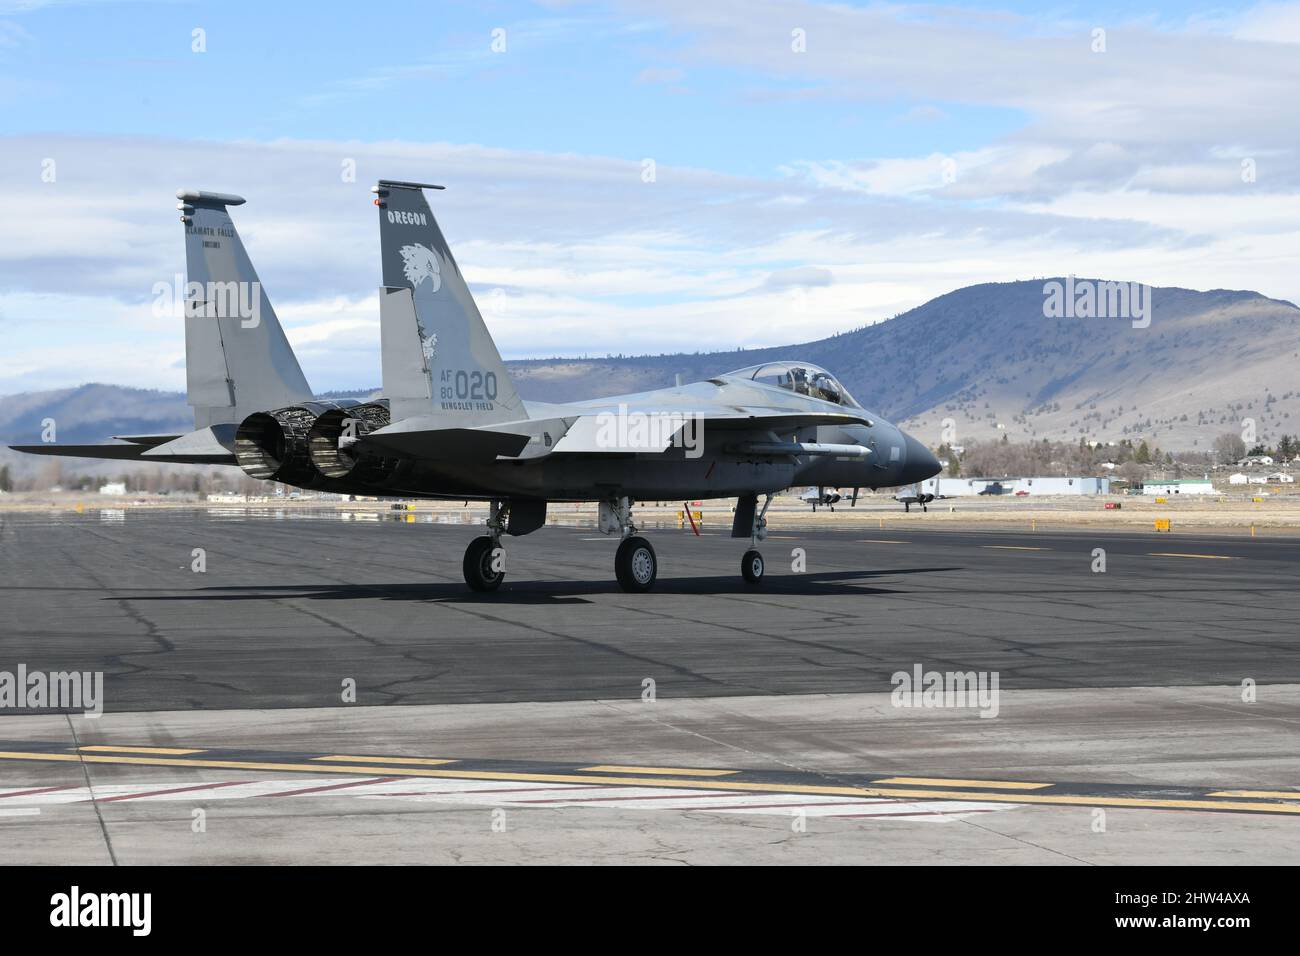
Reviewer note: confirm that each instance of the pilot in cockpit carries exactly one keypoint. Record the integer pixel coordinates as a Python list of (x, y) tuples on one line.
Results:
[(825, 387)]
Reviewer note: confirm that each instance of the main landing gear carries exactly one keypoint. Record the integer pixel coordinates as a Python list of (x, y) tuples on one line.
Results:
[(485, 559), (635, 563), (751, 565)]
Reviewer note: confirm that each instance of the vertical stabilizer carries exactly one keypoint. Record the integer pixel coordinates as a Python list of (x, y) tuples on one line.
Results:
[(438, 357), (237, 359)]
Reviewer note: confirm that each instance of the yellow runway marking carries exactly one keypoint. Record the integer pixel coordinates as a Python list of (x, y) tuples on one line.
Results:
[(1261, 794), (426, 761), (941, 782), (616, 768), (170, 751), (1081, 800), (1012, 547), (879, 541), (1180, 554)]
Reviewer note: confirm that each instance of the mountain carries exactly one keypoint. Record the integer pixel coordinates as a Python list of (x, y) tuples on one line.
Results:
[(987, 356), (984, 356), (91, 413)]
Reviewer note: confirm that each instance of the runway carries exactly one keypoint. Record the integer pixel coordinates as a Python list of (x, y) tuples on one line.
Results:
[(606, 725), (288, 609)]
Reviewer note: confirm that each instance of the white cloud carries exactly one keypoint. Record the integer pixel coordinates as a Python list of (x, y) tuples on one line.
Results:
[(575, 254)]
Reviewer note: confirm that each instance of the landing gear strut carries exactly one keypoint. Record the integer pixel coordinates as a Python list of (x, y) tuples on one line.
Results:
[(485, 559), (751, 565), (635, 563)]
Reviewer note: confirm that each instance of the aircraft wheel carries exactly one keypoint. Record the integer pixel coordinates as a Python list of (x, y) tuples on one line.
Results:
[(635, 565), (479, 573), (751, 567)]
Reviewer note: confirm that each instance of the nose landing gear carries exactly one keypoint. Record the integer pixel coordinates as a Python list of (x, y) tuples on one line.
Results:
[(635, 564), (751, 565), (485, 560)]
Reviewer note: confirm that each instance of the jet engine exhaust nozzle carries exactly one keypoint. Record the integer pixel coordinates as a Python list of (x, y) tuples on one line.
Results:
[(332, 443), (274, 445)]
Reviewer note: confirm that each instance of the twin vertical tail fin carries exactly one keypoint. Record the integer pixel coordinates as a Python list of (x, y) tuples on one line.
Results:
[(237, 359), (438, 358)]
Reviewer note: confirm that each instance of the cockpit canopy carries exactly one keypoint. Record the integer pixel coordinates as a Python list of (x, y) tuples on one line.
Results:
[(802, 377)]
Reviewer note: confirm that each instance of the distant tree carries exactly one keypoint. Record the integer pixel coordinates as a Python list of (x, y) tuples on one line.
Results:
[(1133, 473), (6, 484), (1143, 454), (1229, 447), (1257, 450)]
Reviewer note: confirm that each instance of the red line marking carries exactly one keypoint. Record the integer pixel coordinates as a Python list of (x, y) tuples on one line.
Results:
[(804, 804), (691, 518), (664, 796), (334, 786), (912, 813), (710, 471), (24, 793), (421, 793), (157, 793)]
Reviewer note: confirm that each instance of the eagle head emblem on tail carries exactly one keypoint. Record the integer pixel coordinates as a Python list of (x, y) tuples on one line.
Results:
[(420, 263)]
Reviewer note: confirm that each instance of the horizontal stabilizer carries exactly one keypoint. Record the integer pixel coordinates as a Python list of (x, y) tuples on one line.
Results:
[(115, 452), (149, 440), (205, 446)]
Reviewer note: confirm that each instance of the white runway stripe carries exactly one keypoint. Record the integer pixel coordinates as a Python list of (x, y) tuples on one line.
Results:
[(24, 801)]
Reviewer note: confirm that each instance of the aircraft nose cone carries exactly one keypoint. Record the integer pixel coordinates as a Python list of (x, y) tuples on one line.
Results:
[(919, 462)]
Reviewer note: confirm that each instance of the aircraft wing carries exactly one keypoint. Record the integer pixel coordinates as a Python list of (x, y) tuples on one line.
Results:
[(600, 432)]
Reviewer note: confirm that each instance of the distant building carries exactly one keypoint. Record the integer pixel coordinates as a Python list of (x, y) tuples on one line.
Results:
[(1240, 478), (226, 498), (1061, 486), (1256, 460), (1280, 477), (962, 487), (1184, 486), (115, 488)]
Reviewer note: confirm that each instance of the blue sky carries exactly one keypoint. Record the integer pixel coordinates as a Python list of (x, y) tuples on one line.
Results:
[(585, 78), (906, 151)]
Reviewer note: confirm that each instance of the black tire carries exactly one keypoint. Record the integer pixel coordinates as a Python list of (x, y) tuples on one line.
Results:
[(478, 566), (635, 565), (751, 567)]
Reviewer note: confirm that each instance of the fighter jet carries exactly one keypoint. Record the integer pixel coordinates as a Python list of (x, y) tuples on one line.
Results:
[(451, 424), (821, 496), (914, 496)]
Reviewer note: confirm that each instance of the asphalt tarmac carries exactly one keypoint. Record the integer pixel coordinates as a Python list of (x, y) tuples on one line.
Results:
[(326, 690), (289, 609)]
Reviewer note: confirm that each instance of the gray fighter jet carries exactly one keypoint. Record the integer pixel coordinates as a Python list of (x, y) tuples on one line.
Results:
[(451, 424)]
